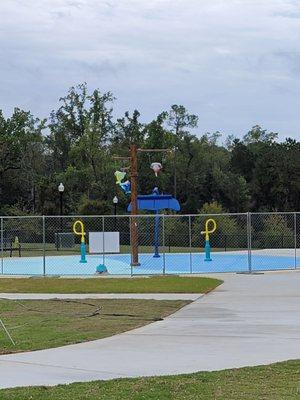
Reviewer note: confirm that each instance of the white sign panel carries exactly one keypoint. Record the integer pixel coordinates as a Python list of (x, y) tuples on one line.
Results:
[(107, 242)]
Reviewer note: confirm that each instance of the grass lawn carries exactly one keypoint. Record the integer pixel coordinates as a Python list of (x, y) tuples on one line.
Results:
[(273, 382), (37, 250), (40, 324), (157, 284)]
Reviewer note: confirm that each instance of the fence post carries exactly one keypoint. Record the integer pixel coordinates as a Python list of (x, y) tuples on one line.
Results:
[(2, 245), (164, 250), (131, 259), (249, 241), (44, 244), (103, 241), (295, 238), (190, 245)]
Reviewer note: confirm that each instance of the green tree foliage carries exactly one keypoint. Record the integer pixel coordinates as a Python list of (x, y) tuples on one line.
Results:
[(225, 224), (93, 207), (230, 232), (77, 144), (129, 130), (21, 159), (274, 231), (259, 135), (276, 224), (181, 121), (271, 170), (242, 160)]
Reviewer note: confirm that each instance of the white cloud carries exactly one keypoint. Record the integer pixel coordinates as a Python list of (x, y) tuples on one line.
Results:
[(233, 62)]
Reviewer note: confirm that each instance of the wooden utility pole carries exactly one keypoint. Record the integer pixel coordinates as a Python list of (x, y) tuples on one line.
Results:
[(134, 240), (134, 206)]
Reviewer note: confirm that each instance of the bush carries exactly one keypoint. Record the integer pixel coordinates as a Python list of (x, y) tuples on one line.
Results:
[(94, 207)]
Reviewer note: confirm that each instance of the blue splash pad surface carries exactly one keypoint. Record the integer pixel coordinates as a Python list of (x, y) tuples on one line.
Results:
[(171, 263)]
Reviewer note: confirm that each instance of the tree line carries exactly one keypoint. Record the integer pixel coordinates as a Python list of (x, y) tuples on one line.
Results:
[(76, 145)]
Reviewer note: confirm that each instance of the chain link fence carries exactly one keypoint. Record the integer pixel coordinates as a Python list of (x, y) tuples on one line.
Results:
[(165, 244)]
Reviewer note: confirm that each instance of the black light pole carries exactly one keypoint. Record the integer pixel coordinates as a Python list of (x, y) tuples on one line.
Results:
[(115, 201), (61, 190)]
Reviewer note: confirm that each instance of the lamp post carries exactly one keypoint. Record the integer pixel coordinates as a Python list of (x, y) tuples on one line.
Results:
[(115, 201), (61, 190)]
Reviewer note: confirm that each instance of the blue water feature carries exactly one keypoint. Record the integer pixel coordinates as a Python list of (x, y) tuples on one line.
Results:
[(170, 263)]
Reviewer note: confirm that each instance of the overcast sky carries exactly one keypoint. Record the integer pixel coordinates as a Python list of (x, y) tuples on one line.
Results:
[(234, 63)]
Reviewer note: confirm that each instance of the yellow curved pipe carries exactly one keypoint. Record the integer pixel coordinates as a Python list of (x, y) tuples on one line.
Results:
[(81, 232), (208, 231)]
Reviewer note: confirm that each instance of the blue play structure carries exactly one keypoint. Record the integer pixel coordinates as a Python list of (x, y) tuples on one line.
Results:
[(156, 202)]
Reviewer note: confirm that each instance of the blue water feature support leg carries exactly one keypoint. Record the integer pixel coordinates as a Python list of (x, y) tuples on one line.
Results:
[(156, 235), (207, 251), (83, 253)]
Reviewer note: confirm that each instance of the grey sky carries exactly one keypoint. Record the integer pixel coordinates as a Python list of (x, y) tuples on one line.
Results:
[(235, 63)]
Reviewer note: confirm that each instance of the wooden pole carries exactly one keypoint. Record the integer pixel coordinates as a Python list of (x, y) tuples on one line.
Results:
[(134, 206)]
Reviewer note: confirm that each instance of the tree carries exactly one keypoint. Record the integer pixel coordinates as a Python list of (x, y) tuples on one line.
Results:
[(276, 232), (242, 160), (21, 158), (93, 207), (80, 134), (231, 190), (257, 134), (269, 184), (228, 232), (225, 225), (253, 173), (83, 121), (129, 130), (180, 120), (156, 136)]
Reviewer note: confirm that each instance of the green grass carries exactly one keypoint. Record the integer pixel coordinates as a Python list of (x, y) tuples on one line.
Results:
[(40, 324), (37, 250), (158, 284), (273, 382)]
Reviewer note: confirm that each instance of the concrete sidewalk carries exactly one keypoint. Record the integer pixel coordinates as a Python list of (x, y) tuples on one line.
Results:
[(249, 320)]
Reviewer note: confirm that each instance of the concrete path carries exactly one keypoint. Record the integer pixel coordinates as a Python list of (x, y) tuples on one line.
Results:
[(249, 320), (144, 296)]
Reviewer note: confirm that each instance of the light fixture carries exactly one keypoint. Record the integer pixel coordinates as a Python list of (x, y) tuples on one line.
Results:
[(61, 188)]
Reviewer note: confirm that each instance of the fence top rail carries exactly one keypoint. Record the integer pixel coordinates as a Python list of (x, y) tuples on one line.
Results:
[(119, 216), (274, 212), (148, 215)]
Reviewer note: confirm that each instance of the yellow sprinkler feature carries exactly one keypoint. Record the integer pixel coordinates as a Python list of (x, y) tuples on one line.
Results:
[(119, 175), (210, 227), (208, 231), (82, 234)]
